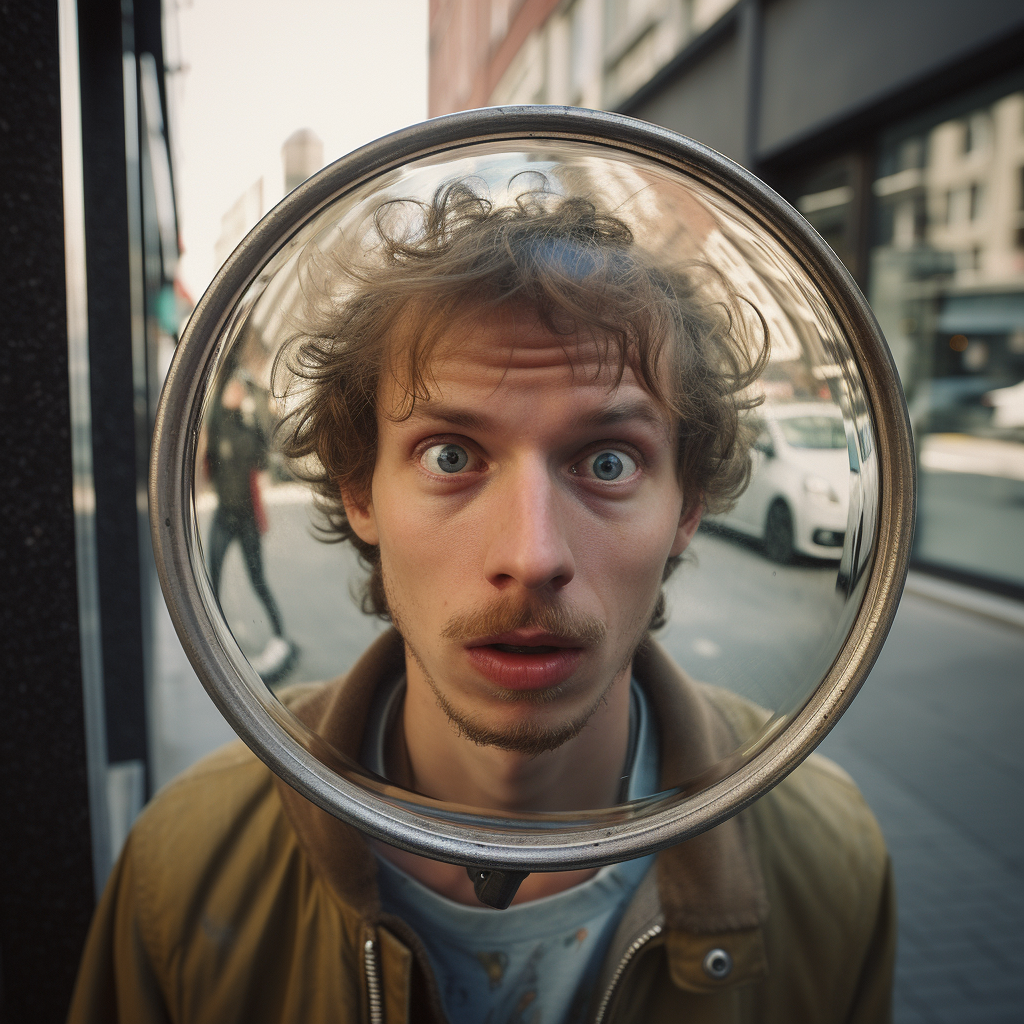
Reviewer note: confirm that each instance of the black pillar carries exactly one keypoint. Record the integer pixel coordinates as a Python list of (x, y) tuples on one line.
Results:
[(45, 846), (119, 431)]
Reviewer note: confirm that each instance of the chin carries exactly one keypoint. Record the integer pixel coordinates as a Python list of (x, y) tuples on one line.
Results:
[(530, 731)]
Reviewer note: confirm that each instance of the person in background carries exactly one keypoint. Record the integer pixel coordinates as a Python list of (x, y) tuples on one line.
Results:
[(236, 455)]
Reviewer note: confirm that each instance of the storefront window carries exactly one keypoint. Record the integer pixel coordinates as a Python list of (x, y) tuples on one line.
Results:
[(827, 196), (946, 281)]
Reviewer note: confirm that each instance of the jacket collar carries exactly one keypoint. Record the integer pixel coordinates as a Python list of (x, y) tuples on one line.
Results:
[(709, 886), (712, 882)]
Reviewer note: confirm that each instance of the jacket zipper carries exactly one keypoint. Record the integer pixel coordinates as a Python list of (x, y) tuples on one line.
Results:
[(372, 982), (634, 948)]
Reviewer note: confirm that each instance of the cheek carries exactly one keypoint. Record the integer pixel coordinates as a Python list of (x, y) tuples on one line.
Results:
[(626, 560), (405, 547), (423, 558)]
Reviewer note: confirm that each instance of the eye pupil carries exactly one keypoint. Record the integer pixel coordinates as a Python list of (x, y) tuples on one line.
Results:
[(607, 466), (452, 458)]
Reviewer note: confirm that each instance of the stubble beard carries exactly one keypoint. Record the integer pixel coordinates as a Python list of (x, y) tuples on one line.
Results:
[(528, 738)]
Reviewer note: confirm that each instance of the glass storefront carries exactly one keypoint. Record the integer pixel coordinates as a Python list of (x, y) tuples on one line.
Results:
[(946, 280), (929, 217)]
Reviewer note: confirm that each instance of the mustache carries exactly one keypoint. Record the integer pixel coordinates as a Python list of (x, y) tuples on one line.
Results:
[(512, 613)]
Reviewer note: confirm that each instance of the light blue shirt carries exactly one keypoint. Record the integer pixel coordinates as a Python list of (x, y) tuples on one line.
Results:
[(535, 963)]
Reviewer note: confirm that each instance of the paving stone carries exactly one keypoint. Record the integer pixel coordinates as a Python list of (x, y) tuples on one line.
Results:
[(932, 740)]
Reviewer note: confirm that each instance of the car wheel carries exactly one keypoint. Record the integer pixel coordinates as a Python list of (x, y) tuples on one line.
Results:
[(778, 533)]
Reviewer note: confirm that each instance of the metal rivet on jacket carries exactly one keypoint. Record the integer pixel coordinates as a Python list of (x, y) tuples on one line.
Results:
[(717, 964)]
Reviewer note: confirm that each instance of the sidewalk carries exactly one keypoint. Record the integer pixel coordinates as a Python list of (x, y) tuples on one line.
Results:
[(934, 741)]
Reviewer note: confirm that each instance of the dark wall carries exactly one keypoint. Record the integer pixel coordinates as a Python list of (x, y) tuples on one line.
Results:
[(706, 100), (45, 842), (45, 846), (825, 59), (778, 79)]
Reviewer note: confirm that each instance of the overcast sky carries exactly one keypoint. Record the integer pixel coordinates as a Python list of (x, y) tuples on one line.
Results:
[(254, 71)]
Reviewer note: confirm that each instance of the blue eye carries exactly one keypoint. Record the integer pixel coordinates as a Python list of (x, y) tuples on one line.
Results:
[(448, 458), (610, 465)]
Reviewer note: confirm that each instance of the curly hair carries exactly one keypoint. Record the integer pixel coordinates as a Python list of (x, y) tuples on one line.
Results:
[(435, 266)]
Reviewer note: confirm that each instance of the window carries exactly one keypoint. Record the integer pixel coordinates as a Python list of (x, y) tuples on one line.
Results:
[(827, 195), (950, 300), (958, 206), (976, 131), (813, 431), (977, 195), (911, 155)]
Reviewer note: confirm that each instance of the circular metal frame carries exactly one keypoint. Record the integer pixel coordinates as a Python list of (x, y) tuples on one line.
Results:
[(467, 838)]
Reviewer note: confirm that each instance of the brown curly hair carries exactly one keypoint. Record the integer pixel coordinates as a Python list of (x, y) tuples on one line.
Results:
[(435, 266)]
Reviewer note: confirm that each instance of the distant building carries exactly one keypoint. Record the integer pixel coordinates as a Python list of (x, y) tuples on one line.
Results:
[(302, 155), (246, 210), (590, 53)]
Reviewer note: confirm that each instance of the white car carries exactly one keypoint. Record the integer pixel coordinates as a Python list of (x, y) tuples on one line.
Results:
[(858, 552), (799, 492), (1008, 404)]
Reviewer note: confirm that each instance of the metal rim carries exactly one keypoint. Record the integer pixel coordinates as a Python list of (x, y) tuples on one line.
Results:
[(464, 839)]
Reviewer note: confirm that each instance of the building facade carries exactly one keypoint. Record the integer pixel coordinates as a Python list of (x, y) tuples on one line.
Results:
[(895, 128)]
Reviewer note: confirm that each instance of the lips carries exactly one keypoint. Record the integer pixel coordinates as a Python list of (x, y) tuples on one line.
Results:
[(525, 659)]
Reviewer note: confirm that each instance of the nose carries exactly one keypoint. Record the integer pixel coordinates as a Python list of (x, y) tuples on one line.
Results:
[(528, 539)]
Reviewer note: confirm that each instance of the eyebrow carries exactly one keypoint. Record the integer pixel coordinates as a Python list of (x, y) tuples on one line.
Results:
[(456, 417), (640, 409)]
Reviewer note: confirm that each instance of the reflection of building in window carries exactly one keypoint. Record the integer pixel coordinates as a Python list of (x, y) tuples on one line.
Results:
[(950, 299), (827, 201), (947, 276)]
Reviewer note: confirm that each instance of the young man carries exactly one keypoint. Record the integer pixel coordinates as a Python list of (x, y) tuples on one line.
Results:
[(518, 418)]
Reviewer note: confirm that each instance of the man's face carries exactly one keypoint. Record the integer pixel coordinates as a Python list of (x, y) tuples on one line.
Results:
[(524, 514)]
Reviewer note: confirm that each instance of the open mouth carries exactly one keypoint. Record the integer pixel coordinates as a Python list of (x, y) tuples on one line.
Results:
[(525, 648), (526, 666)]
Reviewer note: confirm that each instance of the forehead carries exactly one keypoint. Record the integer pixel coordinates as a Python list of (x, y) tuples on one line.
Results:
[(510, 353)]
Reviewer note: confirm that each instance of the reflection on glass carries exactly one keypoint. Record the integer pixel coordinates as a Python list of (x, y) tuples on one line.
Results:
[(766, 594), (813, 431), (947, 285), (827, 197), (237, 455)]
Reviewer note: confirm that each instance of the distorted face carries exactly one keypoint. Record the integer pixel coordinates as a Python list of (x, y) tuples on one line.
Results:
[(524, 513)]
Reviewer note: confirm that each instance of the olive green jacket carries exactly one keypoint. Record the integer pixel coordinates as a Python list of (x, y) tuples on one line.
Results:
[(237, 900)]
